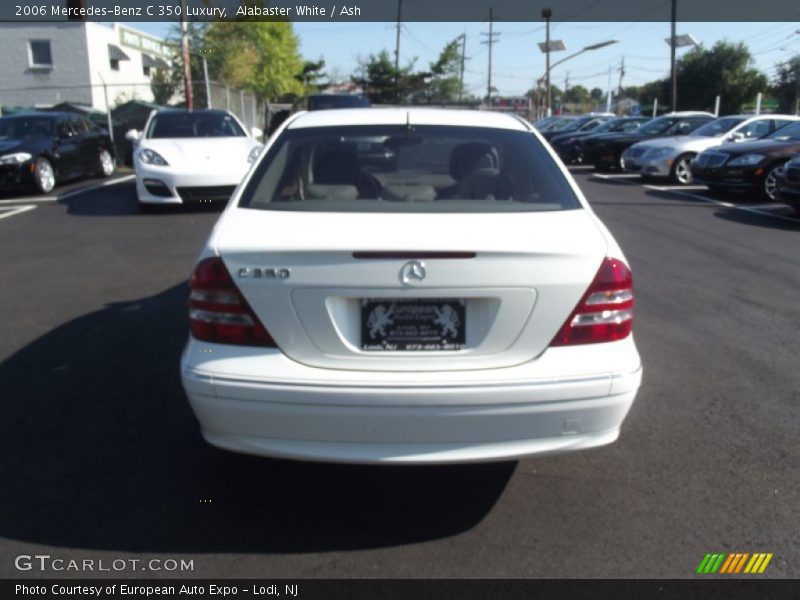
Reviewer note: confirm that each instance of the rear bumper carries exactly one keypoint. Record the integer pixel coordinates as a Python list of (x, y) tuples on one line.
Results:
[(416, 421)]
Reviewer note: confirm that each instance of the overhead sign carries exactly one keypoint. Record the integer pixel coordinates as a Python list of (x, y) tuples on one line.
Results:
[(144, 43)]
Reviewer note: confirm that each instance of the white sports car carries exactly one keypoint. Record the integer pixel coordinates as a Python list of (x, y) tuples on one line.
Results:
[(409, 286), (196, 156)]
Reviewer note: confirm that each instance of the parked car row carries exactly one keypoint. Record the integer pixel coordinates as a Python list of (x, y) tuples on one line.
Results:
[(755, 153)]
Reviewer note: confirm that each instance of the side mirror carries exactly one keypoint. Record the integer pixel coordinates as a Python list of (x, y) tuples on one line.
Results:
[(132, 135), (736, 136), (256, 132)]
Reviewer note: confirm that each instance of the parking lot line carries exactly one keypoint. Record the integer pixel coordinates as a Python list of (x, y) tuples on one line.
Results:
[(615, 175), (27, 200), (758, 211), (15, 210), (96, 186), (669, 188), (69, 194), (684, 191)]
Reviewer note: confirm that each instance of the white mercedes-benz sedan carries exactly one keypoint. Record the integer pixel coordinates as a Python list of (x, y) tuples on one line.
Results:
[(190, 156), (409, 286)]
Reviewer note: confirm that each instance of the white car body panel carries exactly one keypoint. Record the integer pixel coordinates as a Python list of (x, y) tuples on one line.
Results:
[(318, 396), (313, 316)]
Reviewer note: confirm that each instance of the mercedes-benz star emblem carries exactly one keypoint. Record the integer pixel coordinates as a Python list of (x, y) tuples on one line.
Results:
[(412, 272)]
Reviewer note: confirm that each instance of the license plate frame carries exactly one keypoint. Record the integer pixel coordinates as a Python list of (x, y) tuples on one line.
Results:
[(413, 324)]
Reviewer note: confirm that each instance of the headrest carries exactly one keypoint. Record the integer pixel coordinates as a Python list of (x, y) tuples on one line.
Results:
[(468, 157), (337, 166)]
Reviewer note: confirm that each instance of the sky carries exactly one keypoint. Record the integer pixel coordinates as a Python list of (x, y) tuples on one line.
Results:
[(517, 61)]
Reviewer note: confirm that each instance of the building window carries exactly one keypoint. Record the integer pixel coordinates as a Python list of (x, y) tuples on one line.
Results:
[(114, 64), (146, 71), (40, 55)]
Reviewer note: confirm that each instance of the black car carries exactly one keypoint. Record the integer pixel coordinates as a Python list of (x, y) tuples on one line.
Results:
[(568, 145), (328, 101), (749, 166), (605, 151), (789, 184), (583, 123), (40, 149)]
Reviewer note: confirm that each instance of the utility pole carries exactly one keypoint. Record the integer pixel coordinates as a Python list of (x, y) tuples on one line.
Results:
[(797, 86), (546, 14), (491, 40), (397, 51), (566, 91), (608, 92), (463, 58), (673, 73), (621, 75), (187, 67), (208, 83)]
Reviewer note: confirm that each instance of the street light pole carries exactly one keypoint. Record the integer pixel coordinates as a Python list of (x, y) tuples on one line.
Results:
[(546, 14), (673, 74), (187, 69), (546, 76)]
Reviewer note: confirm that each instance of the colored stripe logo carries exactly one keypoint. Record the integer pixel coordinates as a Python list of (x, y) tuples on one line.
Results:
[(735, 562)]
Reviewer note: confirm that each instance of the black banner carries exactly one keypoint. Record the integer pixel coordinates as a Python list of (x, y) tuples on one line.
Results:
[(390, 10), (370, 589)]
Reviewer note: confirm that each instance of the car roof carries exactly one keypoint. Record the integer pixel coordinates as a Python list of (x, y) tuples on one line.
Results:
[(179, 111), (762, 116), (689, 113), (402, 116), (46, 115)]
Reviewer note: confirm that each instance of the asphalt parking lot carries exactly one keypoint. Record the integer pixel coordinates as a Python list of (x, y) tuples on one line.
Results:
[(103, 457)]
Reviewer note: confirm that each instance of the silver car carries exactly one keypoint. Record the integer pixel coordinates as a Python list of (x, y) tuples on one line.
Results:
[(670, 157)]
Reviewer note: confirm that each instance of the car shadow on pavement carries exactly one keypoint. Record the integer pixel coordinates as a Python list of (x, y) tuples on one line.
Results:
[(785, 220), (119, 199), (101, 451)]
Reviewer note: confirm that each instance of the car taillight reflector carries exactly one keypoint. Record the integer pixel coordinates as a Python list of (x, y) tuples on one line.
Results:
[(217, 310), (605, 312)]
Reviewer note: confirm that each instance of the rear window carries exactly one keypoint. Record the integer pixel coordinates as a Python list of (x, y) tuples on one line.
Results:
[(790, 133), (419, 169), (717, 127)]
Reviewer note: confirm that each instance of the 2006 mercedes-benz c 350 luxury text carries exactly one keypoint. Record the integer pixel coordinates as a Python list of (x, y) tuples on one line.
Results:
[(409, 286)]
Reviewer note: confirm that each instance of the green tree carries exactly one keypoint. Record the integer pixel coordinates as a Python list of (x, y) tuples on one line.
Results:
[(311, 74), (384, 84), (577, 94), (725, 70), (596, 95), (196, 36), (786, 84), (654, 90), (162, 86), (377, 77), (444, 85), (258, 56)]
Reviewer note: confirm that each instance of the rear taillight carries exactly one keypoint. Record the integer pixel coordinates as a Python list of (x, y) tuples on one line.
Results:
[(217, 310), (605, 313)]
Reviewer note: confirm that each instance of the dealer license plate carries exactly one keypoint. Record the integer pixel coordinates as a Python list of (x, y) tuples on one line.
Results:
[(418, 324)]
